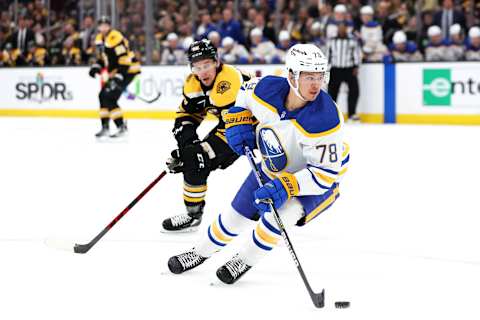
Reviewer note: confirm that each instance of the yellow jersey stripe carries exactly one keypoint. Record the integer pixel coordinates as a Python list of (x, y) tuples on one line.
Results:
[(218, 233), (265, 236), (194, 189), (315, 135), (189, 199), (264, 103), (325, 178), (322, 206), (343, 171), (346, 150)]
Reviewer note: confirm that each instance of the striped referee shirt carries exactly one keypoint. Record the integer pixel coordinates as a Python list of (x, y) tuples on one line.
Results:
[(343, 52)]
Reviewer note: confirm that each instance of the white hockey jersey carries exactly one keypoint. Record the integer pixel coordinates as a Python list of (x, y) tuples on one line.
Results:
[(307, 142)]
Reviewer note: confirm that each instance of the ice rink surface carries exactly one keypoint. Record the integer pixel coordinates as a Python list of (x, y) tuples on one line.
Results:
[(402, 241)]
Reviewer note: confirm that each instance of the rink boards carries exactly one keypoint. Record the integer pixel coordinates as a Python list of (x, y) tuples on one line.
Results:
[(398, 93)]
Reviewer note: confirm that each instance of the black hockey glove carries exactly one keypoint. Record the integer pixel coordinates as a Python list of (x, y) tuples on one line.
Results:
[(190, 158), (94, 70), (197, 104)]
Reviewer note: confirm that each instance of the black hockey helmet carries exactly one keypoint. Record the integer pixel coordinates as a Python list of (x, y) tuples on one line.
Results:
[(104, 19), (202, 49)]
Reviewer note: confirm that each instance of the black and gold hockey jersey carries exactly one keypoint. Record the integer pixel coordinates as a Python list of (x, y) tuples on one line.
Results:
[(115, 54), (220, 95)]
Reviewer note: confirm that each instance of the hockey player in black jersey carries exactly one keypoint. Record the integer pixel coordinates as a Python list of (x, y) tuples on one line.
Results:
[(212, 87), (114, 54)]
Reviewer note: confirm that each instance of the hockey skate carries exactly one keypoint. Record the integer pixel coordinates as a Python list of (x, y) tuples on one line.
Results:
[(103, 134), (185, 261), (121, 132), (231, 271), (187, 222)]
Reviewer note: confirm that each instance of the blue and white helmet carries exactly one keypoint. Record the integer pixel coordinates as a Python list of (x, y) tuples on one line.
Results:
[(307, 58)]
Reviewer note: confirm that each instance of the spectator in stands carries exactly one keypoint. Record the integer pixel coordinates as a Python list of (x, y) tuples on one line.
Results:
[(402, 50), (436, 48), (448, 16), (205, 27), (339, 16), (456, 46), (173, 53), (86, 35), (472, 52), (371, 36), (71, 54), (316, 37), (215, 38), (12, 56), (267, 31), (284, 43), (262, 50), (37, 54), (22, 36), (396, 21), (232, 52), (299, 28), (229, 27)]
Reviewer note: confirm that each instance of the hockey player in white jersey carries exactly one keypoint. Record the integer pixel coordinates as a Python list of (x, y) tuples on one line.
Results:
[(300, 138)]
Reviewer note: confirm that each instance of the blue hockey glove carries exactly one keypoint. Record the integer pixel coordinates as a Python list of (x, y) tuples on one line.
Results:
[(277, 191), (239, 129)]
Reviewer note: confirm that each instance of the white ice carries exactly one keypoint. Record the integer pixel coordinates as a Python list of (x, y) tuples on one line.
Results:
[(402, 241)]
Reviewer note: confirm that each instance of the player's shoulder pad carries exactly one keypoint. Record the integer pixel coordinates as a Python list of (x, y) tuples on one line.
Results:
[(226, 86), (192, 86), (98, 39), (320, 117), (113, 39), (271, 88)]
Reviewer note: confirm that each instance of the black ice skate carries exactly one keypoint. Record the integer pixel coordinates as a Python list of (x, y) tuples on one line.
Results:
[(103, 133), (121, 133), (231, 271), (185, 261), (187, 222)]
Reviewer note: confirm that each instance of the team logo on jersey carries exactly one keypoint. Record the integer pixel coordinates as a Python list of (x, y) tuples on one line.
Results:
[(223, 86), (272, 151)]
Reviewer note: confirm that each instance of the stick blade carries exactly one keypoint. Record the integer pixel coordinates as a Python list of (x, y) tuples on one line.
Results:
[(318, 299), (60, 244)]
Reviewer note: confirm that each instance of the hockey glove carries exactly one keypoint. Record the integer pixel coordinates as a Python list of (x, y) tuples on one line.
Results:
[(191, 158), (195, 105), (239, 129), (277, 192), (94, 70)]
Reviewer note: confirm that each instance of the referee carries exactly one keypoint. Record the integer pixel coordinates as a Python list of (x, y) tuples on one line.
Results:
[(344, 57)]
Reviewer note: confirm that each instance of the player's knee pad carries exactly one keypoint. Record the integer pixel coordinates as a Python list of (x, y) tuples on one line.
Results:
[(234, 221)]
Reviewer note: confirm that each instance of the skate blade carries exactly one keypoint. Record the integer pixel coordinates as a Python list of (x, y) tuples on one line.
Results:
[(186, 230)]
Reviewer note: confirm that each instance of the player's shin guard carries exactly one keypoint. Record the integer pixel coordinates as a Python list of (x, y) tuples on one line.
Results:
[(194, 195), (105, 120), (222, 231), (117, 116), (264, 238)]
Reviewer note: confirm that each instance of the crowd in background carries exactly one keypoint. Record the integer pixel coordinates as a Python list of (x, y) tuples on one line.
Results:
[(260, 32)]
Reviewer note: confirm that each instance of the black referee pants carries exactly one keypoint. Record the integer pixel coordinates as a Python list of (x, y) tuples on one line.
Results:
[(339, 75)]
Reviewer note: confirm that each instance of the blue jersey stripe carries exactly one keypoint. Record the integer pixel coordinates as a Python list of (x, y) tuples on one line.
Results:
[(225, 229), (264, 247), (270, 227), (213, 239)]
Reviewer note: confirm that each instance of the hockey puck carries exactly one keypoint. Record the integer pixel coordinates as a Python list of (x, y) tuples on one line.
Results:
[(342, 304)]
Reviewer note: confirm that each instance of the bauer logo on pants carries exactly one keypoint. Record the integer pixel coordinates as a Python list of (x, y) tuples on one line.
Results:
[(272, 151)]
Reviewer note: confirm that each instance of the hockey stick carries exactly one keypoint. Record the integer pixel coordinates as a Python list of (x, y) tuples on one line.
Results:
[(317, 298), (143, 99), (84, 248)]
